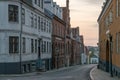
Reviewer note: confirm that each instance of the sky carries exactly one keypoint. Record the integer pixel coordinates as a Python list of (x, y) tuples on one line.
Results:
[(84, 13)]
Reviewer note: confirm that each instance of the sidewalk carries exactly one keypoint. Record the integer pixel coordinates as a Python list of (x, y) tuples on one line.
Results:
[(38, 73), (97, 74)]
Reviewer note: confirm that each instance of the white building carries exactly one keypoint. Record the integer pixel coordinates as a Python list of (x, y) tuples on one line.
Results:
[(83, 58), (94, 59), (23, 28)]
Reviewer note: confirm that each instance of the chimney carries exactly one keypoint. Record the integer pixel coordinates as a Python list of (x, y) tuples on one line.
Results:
[(67, 3)]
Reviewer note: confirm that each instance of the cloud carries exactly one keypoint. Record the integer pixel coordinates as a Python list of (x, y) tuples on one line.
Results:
[(93, 2), (75, 10)]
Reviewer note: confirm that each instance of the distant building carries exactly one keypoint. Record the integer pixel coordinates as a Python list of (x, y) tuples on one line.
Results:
[(94, 59), (93, 54), (75, 55), (84, 55), (81, 44)]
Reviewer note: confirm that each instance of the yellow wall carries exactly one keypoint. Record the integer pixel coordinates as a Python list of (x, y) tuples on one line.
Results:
[(114, 28)]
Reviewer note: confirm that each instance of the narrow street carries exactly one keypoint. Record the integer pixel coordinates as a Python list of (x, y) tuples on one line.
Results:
[(72, 73)]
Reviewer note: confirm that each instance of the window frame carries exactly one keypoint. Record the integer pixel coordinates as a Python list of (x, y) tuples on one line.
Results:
[(13, 44), (13, 15)]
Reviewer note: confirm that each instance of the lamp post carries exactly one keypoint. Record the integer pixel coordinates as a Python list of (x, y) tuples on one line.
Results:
[(21, 31), (110, 51)]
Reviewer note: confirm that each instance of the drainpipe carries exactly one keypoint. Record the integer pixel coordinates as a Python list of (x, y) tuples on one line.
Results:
[(21, 27), (65, 62)]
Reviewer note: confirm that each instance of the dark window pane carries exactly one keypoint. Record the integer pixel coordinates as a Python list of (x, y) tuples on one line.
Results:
[(13, 13)]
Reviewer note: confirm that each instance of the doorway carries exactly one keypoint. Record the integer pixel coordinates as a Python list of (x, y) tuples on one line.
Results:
[(107, 56)]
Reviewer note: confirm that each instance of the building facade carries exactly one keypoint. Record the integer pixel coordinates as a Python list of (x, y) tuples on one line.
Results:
[(109, 37), (68, 44), (58, 37), (85, 58), (75, 55), (22, 25)]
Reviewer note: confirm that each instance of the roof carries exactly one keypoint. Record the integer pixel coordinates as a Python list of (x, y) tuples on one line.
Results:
[(106, 5)]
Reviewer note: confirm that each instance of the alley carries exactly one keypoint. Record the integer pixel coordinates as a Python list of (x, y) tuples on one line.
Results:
[(80, 72)]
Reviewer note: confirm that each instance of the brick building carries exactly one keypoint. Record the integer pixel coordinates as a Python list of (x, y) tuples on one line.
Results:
[(58, 34), (66, 18), (58, 40), (75, 55), (109, 37)]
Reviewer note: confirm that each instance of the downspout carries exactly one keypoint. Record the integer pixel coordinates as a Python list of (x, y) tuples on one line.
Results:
[(21, 37)]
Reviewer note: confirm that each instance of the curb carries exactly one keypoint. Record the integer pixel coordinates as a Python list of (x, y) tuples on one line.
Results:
[(91, 77), (36, 73), (20, 75)]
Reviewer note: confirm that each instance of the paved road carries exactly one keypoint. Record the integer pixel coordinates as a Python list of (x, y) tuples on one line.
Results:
[(71, 73)]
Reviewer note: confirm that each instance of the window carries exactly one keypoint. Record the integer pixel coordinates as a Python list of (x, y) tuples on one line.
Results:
[(24, 45), (59, 30), (32, 23), (23, 16), (118, 42), (107, 21), (13, 44), (119, 8), (32, 46), (42, 4), (35, 1), (13, 13), (36, 46), (35, 21), (47, 47), (44, 46), (39, 3), (44, 25), (39, 23), (49, 27), (110, 17), (50, 49)]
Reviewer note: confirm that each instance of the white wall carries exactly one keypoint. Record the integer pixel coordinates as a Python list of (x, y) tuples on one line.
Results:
[(93, 60), (83, 58), (13, 29)]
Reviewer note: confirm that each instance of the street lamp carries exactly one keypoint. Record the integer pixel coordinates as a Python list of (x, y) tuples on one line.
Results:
[(109, 36)]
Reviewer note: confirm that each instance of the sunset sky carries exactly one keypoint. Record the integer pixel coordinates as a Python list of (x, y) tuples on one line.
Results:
[(84, 13)]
